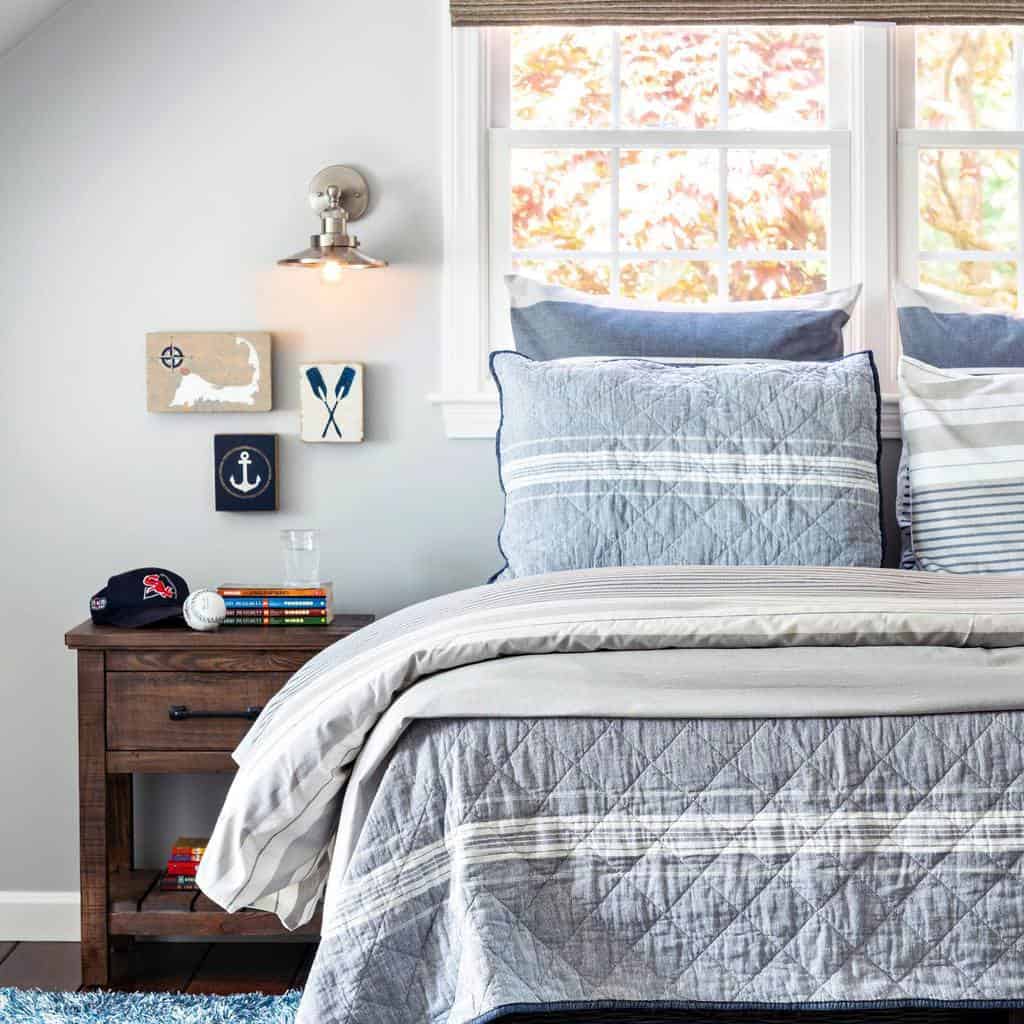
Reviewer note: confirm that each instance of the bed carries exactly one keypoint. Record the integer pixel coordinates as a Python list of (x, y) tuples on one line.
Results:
[(649, 788), (693, 751)]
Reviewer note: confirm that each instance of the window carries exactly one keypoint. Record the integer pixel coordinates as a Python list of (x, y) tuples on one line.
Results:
[(686, 165), (709, 164), (960, 163)]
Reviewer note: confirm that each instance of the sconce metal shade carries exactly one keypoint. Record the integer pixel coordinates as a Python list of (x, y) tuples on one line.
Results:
[(349, 257), (337, 195)]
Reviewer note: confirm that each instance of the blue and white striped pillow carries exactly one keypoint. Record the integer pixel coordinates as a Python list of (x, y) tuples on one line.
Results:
[(950, 335), (555, 323), (611, 462), (965, 435)]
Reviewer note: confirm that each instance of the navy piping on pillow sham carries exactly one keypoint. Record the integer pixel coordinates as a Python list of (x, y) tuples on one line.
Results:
[(497, 455), (878, 452), (878, 444)]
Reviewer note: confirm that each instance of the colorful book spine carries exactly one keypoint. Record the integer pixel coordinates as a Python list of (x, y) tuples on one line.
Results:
[(278, 620), (275, 602), (178, 883), (262, 613), (185, 868), (189, 848), (231, 591)]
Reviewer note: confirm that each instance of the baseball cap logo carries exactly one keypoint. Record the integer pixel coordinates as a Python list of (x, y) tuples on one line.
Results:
[(158, 585)]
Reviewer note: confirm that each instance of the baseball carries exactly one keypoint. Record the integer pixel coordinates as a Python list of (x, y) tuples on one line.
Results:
[(204, 610)]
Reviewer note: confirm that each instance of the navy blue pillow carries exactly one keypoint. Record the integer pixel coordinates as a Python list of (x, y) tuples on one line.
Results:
[(555, 323), (949, 335)]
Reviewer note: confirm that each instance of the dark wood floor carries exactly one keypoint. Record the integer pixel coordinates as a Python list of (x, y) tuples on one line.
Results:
[(200, 968)]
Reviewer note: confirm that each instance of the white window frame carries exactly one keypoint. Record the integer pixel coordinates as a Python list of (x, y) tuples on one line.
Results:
[(911, 140), (476, 165)]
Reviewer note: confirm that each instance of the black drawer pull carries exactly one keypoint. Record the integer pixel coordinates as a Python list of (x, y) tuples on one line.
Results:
[(181, 712)]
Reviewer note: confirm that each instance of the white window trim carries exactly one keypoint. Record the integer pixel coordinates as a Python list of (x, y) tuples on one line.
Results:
[(468, 404)]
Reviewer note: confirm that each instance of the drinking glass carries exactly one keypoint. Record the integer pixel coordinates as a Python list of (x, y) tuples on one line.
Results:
[(301, 550)]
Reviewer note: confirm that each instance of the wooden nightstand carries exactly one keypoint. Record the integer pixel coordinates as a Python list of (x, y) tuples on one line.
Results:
[(138, 690)]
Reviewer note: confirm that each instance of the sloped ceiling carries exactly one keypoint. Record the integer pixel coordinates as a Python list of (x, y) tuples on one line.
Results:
[(20, 17)]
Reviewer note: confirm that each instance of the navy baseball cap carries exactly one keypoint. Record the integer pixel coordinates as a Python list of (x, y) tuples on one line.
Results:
[(139, 597)]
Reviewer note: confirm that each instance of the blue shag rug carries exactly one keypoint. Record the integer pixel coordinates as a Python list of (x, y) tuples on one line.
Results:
[(30, 1006)]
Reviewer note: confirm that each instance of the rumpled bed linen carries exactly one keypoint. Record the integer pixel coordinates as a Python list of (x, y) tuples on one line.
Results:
[(780, 631)]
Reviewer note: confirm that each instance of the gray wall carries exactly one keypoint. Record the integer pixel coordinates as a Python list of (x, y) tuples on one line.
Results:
[(153, 164), (154, 159)]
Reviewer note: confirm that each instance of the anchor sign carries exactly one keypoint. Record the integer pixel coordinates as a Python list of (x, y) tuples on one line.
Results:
[(245, 484), (245, 472)]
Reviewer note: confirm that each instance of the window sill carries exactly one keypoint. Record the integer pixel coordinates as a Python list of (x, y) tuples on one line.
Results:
[(475, 415), (468, 415)]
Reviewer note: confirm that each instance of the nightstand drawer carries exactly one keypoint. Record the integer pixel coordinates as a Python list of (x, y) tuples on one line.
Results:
[(140, 715), (207, 661)]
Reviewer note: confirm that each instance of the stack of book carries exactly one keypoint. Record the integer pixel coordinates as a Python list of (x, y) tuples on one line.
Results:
[(183, 863), (278, 605)]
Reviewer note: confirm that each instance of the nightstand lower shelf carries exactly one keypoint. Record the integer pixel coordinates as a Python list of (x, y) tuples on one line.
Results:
[(138, 907)]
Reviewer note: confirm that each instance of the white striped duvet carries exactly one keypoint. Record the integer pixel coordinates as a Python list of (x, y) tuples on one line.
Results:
[(272, 844)]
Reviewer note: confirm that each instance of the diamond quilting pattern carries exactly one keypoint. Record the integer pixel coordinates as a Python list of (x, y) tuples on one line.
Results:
[(807, 861)]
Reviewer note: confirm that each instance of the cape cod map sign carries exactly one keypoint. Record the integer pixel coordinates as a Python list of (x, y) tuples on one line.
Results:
[(208, 372)]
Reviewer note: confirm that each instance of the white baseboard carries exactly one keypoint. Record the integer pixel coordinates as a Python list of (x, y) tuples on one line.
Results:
[(39, 916)]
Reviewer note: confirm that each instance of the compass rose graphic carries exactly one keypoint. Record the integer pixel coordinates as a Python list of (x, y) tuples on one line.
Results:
[(172, 357)]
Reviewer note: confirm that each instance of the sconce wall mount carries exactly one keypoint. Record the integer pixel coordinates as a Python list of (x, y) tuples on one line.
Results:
[(337, 196)]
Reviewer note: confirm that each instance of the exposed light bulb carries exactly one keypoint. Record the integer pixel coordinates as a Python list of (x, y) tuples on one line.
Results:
[(331, 272)]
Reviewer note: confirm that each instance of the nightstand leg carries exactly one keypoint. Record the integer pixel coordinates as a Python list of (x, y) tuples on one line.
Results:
[(120, 838), (92, 812)]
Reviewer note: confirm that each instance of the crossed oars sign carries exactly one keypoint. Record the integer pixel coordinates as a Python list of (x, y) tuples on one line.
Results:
[(341, 389)]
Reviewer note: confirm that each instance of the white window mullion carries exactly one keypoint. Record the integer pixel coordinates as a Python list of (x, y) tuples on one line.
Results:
[(616, 160), (873, 194), (615, 240), (723, 224), (500, 333), (723, 167), (1018, 79), (723, 79), (1018, 120)]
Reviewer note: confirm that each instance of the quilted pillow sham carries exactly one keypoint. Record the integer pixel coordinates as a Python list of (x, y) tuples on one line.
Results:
[(965, 433), (555, 323), (947, 334), (633, 462)]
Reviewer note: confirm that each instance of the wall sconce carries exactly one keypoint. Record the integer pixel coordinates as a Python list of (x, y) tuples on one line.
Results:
[(338, 195)]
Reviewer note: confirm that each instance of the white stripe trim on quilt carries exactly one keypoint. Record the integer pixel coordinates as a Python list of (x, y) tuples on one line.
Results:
[(713, 467), (702, 834)]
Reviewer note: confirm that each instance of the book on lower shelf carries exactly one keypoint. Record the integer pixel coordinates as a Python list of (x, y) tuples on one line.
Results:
[(277, 604), (178, 883), (182, 864), (189, 848), (182, 868)]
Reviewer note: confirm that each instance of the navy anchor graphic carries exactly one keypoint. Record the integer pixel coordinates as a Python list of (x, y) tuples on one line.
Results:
[(341, 390)]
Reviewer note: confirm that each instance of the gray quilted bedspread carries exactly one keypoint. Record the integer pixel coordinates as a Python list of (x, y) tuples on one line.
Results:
[(512, 862)]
